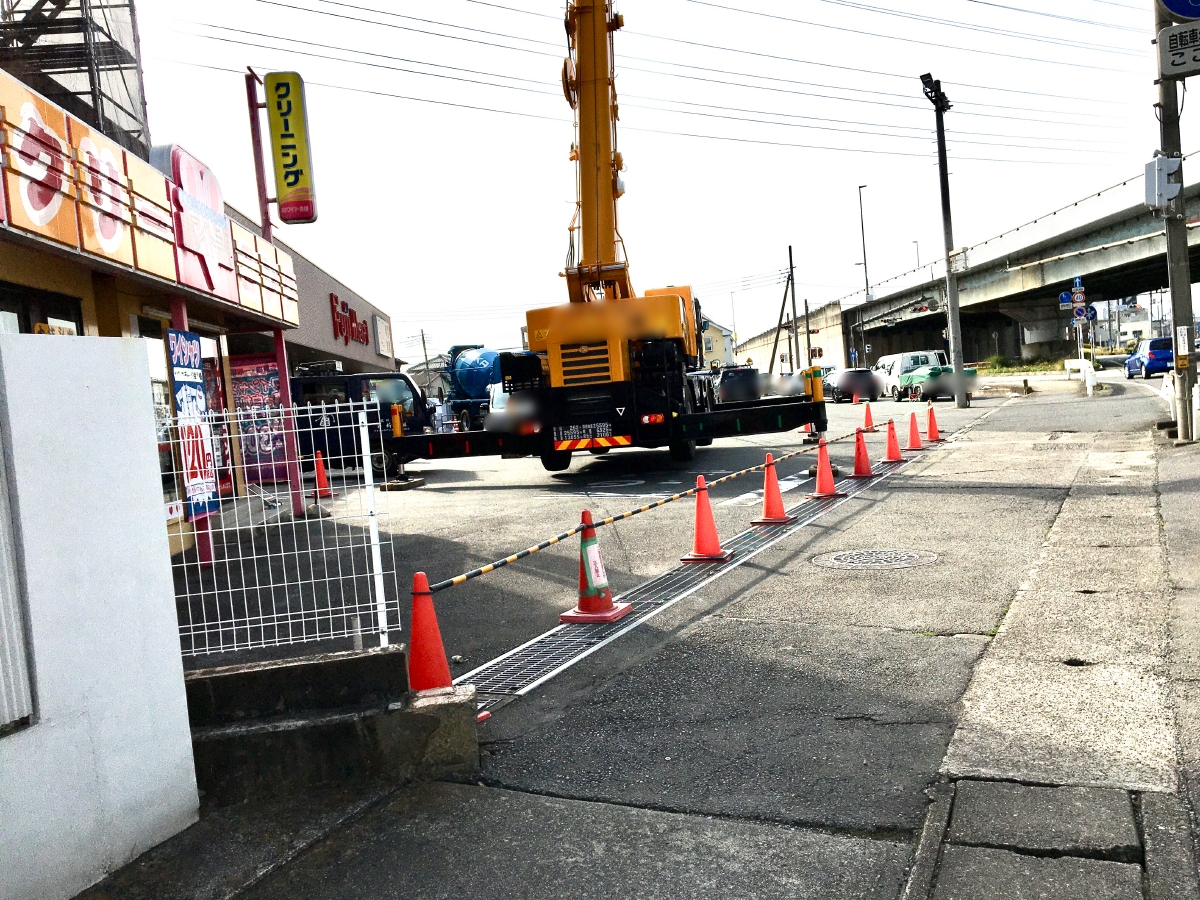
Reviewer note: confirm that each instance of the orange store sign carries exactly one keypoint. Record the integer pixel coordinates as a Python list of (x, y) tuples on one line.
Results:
[(64, 182)]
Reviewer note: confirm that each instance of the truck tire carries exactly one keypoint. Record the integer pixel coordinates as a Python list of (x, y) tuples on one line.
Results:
[(598, 451), (683, 451), (556, 460), (464, 420)]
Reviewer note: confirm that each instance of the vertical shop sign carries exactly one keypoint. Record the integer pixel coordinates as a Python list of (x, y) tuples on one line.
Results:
[(287, 116), (195, 435)]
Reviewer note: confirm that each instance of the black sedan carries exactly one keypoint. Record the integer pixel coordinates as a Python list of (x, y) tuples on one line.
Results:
[(843, 384)]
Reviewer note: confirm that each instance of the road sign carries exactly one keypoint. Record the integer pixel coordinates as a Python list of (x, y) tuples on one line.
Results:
[(1064, 300), (1181, 9), (1078, 283), (1179, 51), (1079, 298), (1089, 313), (1080, 314)]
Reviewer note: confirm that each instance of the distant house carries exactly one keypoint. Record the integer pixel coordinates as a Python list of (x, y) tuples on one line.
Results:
[(718, 343), (433, 380)]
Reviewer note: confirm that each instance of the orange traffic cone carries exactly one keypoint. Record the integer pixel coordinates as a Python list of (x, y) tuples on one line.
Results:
[(893, 445), (868, 421), (931, 432), (914, 434), (825, 486), (707, 546), (808, 427), (773, 511), (427, 667), (862, 462), (856, 400), (322, 490), (595, 602)]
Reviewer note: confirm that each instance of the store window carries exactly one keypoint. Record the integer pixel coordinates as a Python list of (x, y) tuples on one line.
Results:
[(26, 310)]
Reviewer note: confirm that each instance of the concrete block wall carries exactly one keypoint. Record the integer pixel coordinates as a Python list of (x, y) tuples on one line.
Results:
[(104, 770)]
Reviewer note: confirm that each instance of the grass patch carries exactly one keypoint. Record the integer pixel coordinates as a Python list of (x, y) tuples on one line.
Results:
[(1000, 365)]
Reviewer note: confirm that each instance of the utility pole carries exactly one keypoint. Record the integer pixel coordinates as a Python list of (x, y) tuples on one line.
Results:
[(941, 104), (795, 324), (425, 353), (862, 227), (1178, 271)]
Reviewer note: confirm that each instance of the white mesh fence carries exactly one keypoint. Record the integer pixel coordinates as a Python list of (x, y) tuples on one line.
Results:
[(275, 562)]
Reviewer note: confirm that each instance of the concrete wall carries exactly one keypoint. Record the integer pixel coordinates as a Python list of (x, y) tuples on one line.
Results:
[(104, 771), (827, 333)]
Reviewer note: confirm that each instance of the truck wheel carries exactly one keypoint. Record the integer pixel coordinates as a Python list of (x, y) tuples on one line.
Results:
[(556, 460), (895, 395), (383, 465), (598, 451), (464, 420), (684, 451)]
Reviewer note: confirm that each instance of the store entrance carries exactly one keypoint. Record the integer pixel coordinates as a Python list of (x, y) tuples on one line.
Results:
[(26, 310)]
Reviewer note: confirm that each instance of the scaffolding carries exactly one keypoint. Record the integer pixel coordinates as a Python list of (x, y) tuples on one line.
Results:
[(84, 56)]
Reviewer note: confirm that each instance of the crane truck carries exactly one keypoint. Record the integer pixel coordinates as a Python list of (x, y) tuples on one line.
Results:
[(611, 368)]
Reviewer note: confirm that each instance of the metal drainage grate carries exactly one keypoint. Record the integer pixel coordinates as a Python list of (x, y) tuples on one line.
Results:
[(875, 559), (525, 667)]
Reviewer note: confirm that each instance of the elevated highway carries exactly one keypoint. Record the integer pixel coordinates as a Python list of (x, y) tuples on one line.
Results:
[(1009, 285)]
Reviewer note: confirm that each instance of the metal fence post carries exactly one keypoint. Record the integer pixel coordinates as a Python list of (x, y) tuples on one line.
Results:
[(364, 437)]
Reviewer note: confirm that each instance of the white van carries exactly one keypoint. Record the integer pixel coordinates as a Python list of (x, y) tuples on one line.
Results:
[(890, 368)]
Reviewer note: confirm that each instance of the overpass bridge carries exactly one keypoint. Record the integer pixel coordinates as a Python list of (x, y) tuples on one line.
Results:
[(1009, 284)]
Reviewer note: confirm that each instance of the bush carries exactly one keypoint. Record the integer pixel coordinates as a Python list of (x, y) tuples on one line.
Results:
[(996, 361)]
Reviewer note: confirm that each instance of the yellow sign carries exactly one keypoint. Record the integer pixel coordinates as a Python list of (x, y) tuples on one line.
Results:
[(287, 117)]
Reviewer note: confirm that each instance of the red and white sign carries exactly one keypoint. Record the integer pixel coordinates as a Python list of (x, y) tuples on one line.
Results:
[(101, 174), (42, 158), (203, 242), (346, 324)]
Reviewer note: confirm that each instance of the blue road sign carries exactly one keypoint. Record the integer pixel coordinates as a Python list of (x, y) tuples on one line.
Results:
[(1089, 313), (1065, 298), (1078, 283), (1081, 313), (1182, 9)]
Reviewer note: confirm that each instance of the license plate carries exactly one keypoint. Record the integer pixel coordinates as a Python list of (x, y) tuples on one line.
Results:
[(583, 432)]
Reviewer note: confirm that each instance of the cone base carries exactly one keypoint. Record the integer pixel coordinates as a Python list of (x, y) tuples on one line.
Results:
[(783, 520), (930, 440), (914, 449), (867, 475), (618, 611), (322, 495), (888, 459), (871, 430), (701, 558), (830, 494)]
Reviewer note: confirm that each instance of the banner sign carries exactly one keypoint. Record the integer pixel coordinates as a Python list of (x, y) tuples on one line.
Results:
[(287, 117), (195, 434), (256, 400)]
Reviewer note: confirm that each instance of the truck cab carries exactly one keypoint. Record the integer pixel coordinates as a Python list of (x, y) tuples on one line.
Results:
[(328, 403)]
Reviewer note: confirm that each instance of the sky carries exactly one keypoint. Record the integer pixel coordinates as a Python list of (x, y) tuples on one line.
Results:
[(440, 138)]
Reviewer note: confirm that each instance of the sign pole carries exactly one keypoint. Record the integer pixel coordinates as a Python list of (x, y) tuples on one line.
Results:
[(1178, 270), (264, 204)]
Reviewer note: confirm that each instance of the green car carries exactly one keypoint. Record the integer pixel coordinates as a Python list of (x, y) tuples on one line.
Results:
[(931, 382)]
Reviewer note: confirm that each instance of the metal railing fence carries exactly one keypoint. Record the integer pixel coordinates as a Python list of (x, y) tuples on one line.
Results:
[(256, 574)]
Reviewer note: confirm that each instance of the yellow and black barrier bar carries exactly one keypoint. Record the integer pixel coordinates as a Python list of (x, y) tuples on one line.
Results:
[(600, 523)]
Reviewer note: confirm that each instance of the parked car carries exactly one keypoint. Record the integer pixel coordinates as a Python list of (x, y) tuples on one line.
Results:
[(843, 384), (890, 368), (738, 383), (1151, 356), (931, 382)]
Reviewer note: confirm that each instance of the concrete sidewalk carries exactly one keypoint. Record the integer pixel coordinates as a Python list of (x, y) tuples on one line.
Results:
[(1015, 718)]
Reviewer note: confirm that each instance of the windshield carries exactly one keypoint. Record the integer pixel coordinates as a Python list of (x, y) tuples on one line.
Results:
[(391, 390), (1160, 344)]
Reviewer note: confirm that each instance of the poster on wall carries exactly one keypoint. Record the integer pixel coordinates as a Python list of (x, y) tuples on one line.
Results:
[(214, 390), (195, 436), (256, 399)]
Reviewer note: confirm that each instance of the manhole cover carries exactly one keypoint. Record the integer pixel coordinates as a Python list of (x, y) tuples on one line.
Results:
[(875, 559)]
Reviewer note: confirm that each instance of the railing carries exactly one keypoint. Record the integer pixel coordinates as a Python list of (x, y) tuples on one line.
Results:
[(248, 572)]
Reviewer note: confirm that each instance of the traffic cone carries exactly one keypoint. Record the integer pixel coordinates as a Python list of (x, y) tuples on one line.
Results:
[(856, 400), (595, 602), (914, 434), (868, 421), (893, 445), (707, 546), (931, 432), (825, 486), (427, 666), (322, 490), (862, 462), (773, 511)]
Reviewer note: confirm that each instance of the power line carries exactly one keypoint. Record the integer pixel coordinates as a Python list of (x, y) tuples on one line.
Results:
[(1038, 12), (893, 37)]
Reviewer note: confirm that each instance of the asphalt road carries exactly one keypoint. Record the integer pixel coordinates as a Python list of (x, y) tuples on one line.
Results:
[(773, 734)]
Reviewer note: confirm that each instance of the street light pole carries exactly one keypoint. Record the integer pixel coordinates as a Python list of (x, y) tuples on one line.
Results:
[(917, 244), (862, 226), (1178, 271), (941, 104)]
